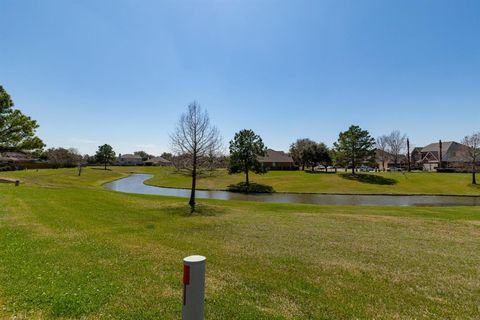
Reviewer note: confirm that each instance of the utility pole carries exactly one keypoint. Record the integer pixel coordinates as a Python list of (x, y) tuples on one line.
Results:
[(408, 155), (440, 154)]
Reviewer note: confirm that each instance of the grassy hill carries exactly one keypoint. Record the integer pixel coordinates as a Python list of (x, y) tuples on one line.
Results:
[(71, 249), (298, 181)]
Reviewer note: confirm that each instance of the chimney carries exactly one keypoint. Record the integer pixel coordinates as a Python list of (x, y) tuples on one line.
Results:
[(440, 154)]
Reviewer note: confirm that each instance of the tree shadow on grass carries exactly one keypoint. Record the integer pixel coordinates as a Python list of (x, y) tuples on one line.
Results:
[(319, 172), (200, 210), (369, 178), (200, 174), (474, 186)]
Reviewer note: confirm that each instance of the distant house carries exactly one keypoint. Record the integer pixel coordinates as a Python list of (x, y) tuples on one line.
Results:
[(129, 160), (416, 157), (386, 160), (454, 156), (157, 161), (277, 160), (19, 160)]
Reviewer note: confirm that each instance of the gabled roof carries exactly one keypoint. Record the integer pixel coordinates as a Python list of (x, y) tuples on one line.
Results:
[(157, 160), (379, 154), (275, 156), (435, 147), (129, 156), (451, 151), (16, 155)]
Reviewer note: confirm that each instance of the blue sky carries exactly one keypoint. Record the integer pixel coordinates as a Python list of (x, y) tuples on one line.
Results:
[(122, 71)]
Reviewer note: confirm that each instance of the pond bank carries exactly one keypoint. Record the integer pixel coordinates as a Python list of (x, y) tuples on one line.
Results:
[(135, 184)]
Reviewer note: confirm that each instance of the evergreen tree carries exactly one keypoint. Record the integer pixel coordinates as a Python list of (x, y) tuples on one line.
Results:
[(245, 148), (17, 131), (355, 146), (105, 155)]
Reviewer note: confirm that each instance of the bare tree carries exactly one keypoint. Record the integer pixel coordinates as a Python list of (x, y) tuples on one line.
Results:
[(213, 160), (193, 140), (396, 142), (63, 158), (382, 146), (473, 153)]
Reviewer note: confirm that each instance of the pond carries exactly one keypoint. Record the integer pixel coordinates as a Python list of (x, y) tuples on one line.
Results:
[(135, 184)]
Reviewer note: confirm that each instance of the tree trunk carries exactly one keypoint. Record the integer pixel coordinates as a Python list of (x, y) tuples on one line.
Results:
[(353, 165), (191, 203), (246, 168), (353, 158), (474, 170), (105, 165)]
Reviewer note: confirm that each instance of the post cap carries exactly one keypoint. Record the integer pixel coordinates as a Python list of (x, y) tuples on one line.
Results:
[(194, 259)]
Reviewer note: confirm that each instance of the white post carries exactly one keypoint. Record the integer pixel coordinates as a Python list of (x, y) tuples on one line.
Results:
[(193, 287)]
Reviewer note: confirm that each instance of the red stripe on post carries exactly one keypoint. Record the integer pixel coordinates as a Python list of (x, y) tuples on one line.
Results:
[(186, 280), (186, 274)]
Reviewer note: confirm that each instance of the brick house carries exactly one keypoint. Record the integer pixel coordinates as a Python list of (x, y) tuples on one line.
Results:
[(277, 160)]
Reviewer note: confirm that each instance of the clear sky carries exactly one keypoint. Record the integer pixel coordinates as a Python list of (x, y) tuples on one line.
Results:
[(122, 71)]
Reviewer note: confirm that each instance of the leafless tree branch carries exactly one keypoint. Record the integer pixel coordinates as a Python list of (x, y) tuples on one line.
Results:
[(194, 140)]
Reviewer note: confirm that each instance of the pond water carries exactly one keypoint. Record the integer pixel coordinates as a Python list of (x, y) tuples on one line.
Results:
[(135, 184)]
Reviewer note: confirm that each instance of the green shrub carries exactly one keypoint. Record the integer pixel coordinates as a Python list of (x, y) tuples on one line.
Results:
[(251, 188)]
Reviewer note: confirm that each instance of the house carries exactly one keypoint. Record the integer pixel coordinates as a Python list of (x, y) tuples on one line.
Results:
[(277, 160), (19, 160), (129, 160), (157, 161), (386, 160), (415, 158), (454, 156)]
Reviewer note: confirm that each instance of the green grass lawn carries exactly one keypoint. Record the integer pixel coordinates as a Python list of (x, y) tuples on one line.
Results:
[(298, 181), (71, 249)]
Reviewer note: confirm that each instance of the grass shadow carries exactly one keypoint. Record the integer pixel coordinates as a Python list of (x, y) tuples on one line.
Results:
[(200, 210), (474, 186), (200, 174), (102, 169), (369, 178), (319, 172)]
